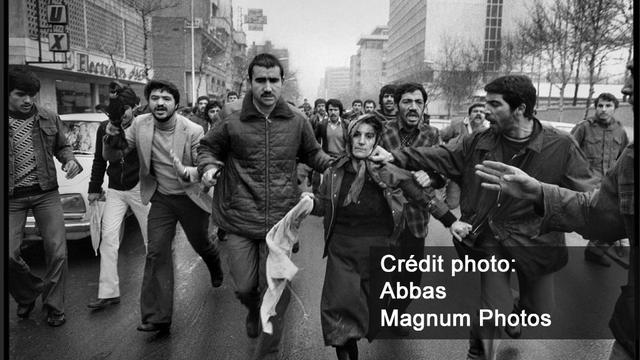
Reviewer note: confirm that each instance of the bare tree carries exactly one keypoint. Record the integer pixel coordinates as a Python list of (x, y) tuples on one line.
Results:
[(609, 27), (145, 9), (290, 88), (551, 29), (458, 73)]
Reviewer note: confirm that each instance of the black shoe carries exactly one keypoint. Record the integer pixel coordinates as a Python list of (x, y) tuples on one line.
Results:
[(25, 309), (151, 327), (103, 303), (55, 318), (596, 256), (253, 323)]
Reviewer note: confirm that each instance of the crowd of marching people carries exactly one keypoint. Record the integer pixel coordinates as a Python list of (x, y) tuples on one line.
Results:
[(229, 172)]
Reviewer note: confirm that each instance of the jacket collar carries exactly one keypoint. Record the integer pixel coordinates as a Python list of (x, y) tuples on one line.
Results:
[(250, 113), (593, 122), (490, 141)]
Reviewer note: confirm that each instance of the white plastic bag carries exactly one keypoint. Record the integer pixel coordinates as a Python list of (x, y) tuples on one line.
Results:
[(96, 209)]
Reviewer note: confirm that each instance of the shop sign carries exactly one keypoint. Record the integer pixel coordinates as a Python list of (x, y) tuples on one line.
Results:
[(91, 64)]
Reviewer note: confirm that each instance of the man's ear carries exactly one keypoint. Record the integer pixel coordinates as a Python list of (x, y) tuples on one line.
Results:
[(521, 109)]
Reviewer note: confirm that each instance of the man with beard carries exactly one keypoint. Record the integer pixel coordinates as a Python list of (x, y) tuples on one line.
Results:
[(369, 106), (332, 132), (198, 116), (166, 144), (506, 228), (602, 138), (475, 121), (35, 136), (254, 153), (387, 103), (319, 112), (607, 213), (410, 130)]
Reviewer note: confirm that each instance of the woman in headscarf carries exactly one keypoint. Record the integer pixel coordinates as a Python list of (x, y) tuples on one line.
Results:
[(362, 207)]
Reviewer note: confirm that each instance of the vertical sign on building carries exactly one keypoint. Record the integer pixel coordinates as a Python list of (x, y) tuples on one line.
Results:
[(255, 20), (57, 15)]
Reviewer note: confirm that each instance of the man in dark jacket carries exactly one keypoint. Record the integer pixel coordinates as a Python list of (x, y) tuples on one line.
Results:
[(254, 152), (35, 136), (197, 115), (602, 138), (332, 131), (123, 193), (507, 226), (607, 213)]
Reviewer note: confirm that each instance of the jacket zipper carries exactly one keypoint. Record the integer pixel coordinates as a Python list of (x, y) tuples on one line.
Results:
[(266, 183), (333, 211)]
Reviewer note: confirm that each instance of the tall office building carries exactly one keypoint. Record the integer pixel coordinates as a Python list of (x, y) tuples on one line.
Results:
[(419, 29), (336, 82), (366, 65)]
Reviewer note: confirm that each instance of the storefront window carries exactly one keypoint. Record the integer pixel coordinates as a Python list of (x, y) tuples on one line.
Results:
[(73, 97)]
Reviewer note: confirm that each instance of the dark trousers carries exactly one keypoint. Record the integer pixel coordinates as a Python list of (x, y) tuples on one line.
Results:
[(156, 296), (24, 286), (247, 266), (408, 245)]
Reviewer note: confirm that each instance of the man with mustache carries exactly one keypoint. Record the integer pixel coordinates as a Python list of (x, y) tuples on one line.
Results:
[(506, 228), (35, 136), (332, 132), (453, 134), (166, 144), (387, 102), (475, 121), (410, 130), (369, 106), (602, 138), (198, 116), (254, 152)]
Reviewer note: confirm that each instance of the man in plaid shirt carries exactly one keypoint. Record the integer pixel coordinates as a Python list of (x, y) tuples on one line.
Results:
[(409, 130)]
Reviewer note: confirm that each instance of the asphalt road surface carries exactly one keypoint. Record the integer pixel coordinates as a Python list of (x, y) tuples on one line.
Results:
[(209, 323)]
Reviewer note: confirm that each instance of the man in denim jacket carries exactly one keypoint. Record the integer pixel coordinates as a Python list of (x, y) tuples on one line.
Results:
[(35, 135)]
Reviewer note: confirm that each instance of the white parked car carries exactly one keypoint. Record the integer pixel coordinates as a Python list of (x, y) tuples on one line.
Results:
[(80, 130)]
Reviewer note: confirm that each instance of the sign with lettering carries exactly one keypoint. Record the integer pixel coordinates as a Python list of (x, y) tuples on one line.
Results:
[(91, 64), (254, 16), (58, 42), (255, 27), (57, 14)]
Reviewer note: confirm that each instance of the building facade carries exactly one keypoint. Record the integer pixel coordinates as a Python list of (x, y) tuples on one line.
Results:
[(419, 31), (366, 65), (105, 41), (337, 83), (218, 47)]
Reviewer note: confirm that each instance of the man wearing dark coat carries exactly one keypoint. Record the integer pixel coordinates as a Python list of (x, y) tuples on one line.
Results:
[(253, 153)]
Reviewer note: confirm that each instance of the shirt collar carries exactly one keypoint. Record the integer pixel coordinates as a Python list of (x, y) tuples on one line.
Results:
[(489, 142)]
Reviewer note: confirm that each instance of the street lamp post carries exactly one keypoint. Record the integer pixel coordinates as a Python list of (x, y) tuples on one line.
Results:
[(193, 61)]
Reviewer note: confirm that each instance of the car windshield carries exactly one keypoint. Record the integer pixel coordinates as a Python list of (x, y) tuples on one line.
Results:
[(81, 135)]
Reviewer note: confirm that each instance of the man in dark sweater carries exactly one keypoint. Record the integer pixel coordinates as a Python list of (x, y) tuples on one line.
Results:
[(123, 193)]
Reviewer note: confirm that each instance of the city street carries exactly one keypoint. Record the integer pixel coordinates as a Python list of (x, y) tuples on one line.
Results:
[(209, 323)]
